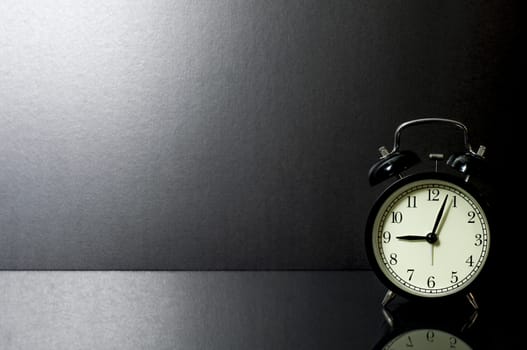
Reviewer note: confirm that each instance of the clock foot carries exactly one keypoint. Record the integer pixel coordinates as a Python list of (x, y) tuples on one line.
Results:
[(389, 296), (472, 301)]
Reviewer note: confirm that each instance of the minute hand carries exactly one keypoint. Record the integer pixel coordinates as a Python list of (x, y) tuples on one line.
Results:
[(439, 215)]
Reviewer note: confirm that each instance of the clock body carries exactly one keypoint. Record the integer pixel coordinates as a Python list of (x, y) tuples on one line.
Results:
[(428, 236)]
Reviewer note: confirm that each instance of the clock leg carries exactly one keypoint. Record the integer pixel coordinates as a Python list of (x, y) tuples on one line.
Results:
[(389, 296), (472, 301)]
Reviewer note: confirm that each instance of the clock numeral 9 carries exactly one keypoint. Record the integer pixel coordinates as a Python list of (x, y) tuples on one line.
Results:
[(386, 237)]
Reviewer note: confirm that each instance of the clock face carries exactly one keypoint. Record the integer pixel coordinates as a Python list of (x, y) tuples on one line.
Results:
[(427, 339), (429, 236)]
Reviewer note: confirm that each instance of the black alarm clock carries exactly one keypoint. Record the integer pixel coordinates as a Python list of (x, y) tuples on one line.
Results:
[(428, 234)]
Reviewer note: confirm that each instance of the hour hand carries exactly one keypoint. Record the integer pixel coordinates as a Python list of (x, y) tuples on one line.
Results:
[(412, 238)]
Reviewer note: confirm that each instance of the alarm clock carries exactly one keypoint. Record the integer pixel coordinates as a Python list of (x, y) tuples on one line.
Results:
[(428, 233)]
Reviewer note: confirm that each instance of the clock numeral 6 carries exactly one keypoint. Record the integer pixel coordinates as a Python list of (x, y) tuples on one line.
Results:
[(430, 282)]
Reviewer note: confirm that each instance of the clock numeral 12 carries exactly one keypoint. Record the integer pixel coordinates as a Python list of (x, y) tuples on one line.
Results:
[(430, 336), (433, 194)]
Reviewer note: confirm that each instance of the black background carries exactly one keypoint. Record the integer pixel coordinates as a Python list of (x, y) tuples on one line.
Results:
[(229, 134)]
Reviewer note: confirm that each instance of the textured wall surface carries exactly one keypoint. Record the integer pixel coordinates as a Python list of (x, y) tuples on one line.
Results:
[(222, 134)]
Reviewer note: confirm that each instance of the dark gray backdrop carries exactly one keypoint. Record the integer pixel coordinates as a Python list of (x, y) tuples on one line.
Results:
[(223, 134)]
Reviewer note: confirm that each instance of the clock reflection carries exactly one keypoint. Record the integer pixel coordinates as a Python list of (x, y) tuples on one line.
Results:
[(432, 326), (426, 339)]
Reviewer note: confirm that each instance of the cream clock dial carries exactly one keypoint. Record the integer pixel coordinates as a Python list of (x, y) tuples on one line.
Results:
[(428, 236)]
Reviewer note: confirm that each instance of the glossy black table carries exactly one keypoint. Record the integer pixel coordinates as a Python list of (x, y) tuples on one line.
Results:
[(199, 310)]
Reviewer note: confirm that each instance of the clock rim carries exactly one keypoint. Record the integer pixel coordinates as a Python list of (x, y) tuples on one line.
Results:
[(469, 188)]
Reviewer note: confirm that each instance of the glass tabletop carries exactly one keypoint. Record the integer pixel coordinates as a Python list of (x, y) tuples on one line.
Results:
[(223, 310)]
